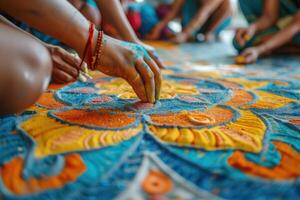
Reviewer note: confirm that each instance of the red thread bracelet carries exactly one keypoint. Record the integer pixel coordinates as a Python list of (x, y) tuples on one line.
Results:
[(88, 43)]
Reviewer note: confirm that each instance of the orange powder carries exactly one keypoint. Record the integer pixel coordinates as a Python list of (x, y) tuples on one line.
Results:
[(217, 115), (47, 100), (11, 174), (288, 168), (240, 97), (95, 118)]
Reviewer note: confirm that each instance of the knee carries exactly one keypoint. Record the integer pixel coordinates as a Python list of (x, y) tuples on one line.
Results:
[(38, 59), (29, 76)]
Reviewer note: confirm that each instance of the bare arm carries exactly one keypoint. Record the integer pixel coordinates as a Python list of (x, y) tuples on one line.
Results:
[(173, 12), (269, 16), (72, 28), (266, 20), (274, 42), (206, 9), (61, 20), (112, 10), (282, 37)]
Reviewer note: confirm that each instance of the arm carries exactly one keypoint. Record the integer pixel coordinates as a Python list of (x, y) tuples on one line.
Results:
[(269, 16), (112, 10), (268, 19), (64, 64), (278, 39), (173, 12), (61, 20), (176, 6), (71, 28), (206, 9)]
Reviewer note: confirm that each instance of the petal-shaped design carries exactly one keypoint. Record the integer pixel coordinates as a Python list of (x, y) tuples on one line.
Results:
[(245, 133), (123, 90), (268, 100), (193, 118), (95, 118), (54, 137), (12, 178), (48, 101), (287, 169), (240, 98)]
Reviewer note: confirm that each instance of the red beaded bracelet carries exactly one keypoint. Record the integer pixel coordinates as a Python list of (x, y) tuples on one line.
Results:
[(98, 50)]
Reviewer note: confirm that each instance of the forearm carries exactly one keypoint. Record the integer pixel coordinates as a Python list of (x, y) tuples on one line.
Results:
[(54, 17), (173, 12), (263, 23), (206, 9), (7, 22), (269, 16), (113, 11), (280, 38)]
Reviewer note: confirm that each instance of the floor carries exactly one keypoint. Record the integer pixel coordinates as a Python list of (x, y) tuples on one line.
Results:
[(220, 131)]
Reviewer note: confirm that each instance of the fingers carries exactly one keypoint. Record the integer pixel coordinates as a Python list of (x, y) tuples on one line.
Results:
[(157, 77), (60, 64), (59, 76), (155, 57), (148, 79), (136, 82), (249, 56), (69, 57), (239, 37)]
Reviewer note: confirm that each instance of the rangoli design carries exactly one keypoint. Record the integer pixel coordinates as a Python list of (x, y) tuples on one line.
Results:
[(220, 131)]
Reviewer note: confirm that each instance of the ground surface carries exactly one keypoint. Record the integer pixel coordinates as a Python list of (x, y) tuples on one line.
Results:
[(219, 131)]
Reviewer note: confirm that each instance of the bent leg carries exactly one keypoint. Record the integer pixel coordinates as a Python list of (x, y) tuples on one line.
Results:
[(25, 70)]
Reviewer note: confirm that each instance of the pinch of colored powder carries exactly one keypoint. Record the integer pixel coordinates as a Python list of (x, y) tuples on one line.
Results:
[(101, 99), (141, 105), (240, 60), (247, 37)]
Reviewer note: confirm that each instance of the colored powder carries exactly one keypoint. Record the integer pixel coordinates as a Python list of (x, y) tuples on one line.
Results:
[(94, 118)]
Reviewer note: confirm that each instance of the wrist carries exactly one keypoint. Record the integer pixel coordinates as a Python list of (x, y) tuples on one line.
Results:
[(254, 28), (262, 49)]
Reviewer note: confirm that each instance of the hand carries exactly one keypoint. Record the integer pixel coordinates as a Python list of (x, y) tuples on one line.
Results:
[(209, 37), (152, 53), (180, 38), (244, 34), (155, 32), (131, 62), (65, 64), (250, 54)]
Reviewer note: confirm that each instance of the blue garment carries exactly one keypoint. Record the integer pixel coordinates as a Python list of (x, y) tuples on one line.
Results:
[(252, 10)]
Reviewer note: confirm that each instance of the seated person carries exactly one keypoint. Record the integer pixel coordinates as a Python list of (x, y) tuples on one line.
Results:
[(273, 24), (26, 63), (207, 17), (144, 16)]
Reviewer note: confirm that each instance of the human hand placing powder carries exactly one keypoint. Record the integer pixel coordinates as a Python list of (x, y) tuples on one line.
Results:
[(131, 62), (113, 57)]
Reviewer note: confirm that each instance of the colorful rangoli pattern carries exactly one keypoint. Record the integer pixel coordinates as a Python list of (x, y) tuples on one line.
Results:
[(220, 131)]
